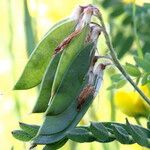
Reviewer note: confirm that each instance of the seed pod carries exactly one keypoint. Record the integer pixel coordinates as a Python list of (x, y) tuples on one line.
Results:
[(70, 52), (42, 54), (46, 85), (51, 138), (47, 136), (64, 100), (63, 75), (70, 76)]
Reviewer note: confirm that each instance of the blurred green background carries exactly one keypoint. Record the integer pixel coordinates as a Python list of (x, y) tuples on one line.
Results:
[(23, 23)]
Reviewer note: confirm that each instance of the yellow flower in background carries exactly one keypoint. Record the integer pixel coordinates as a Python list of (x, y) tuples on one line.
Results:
[(131, 104)]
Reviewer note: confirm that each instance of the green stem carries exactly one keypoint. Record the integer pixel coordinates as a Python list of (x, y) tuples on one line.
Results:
[(116, 61), (139, 49)]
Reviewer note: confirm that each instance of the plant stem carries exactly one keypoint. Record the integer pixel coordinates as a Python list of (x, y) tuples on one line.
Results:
[(116, 61), (139, 49)]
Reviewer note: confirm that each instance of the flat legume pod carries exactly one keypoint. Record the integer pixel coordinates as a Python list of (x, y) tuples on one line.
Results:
[(69, 53), (56, 123), (72, 81), (52, 138), (67, 58), (46, 85), (42, 54)]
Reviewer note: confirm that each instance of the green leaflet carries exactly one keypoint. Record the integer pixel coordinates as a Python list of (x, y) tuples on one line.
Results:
[(122, 135), (139, 136), (68, 75), (56, 145), (74, 76), (101, 133), (51, 138), (80, 135), (39, 59), (46, 85), (21, 135), (30, 129)]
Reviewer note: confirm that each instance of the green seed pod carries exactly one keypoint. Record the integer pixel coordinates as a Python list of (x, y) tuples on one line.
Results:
[(46, 85), (75, 76), (65, 62), (69, 53), (51, 138), (42, 54)]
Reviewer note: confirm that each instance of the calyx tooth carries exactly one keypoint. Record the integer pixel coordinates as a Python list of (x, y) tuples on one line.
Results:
[(76, 14)]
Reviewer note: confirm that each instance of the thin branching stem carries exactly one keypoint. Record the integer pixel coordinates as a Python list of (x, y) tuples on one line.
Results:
[(116, 61)]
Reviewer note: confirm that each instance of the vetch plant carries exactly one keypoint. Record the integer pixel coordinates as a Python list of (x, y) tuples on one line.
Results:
[(66, 65)]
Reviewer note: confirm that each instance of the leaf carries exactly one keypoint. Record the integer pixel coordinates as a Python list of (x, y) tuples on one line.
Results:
[(146, 78), (120, 84), (117, 77), (117, 10), (127, 20), (40, 57), (141, 137), (21, 135), (30, 129), (132, 70), (125, 46), (117, 85), (46, 85), (122, 135), (80, 135), (101, 133), (117, 38), (111, 87), (56, 145), (143, 63)]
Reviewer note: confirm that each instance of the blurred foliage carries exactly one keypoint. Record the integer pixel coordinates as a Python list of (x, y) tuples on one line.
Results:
[(129, 34), (122, 30)]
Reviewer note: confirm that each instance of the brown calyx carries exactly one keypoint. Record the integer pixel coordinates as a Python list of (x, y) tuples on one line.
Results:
[(66, 41), (89, 89)]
